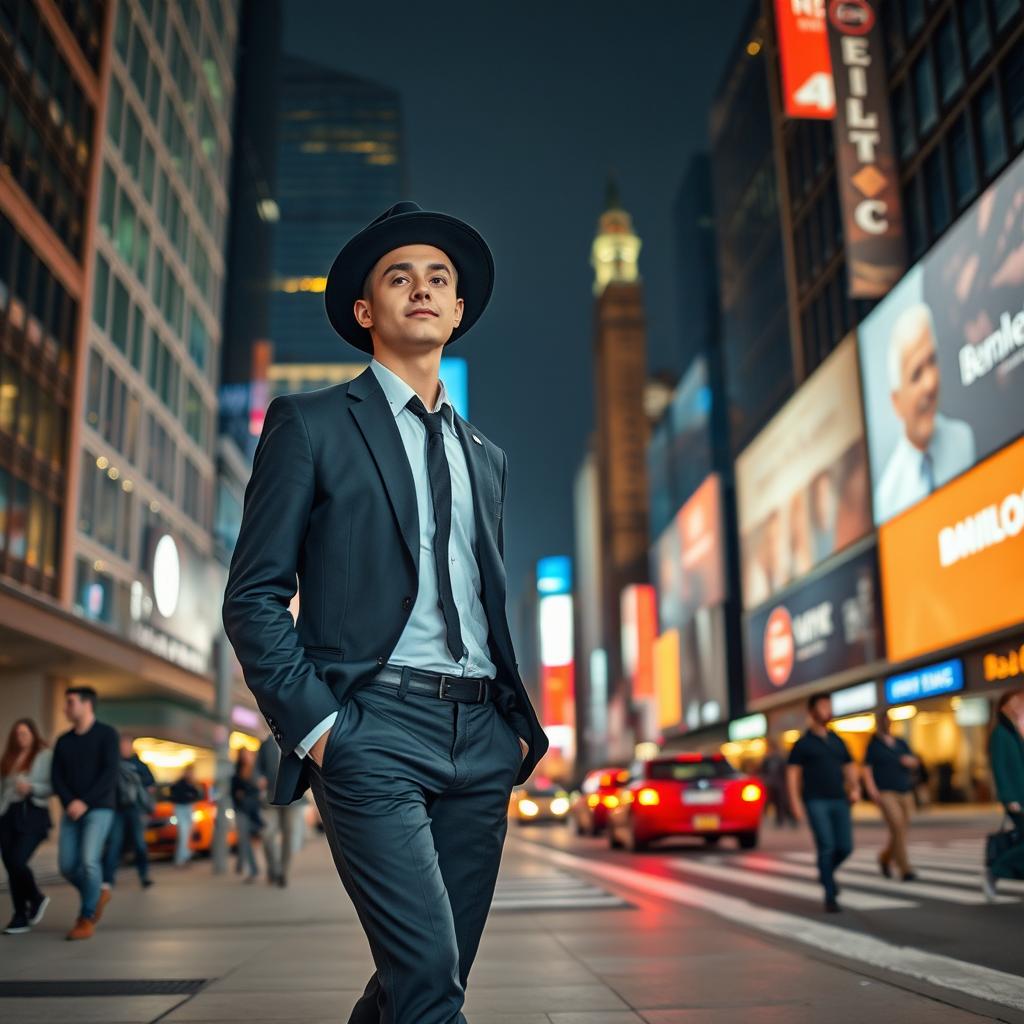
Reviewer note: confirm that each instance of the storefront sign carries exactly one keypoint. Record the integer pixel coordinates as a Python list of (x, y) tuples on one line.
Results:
[(997, 663), (933, 681), (807, 89), (952, 566), (826, 626), (802, 483), (865, 154), (862, 697), (752, 727), (942, 357)]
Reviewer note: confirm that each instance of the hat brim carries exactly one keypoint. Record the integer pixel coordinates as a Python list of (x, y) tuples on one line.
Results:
[(462, 243)]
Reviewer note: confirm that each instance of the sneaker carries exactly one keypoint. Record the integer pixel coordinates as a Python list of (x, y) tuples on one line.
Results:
[(883, 866), (910, 876), (18, 926), (106, 895), (146, 882), (988, 885), (83, 928), (832, 907), (35, 913)]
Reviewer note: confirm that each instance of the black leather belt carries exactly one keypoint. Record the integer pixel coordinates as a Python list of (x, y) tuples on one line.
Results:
[(435, 684)]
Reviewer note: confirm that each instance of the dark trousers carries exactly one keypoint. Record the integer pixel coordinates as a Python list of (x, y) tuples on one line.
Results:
[(128, 825), (832, 827), (414, 794), (1011, 863), (17, 847)]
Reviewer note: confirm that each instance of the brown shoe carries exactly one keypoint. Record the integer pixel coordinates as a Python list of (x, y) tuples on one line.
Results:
[(106, 895), (83, 929)]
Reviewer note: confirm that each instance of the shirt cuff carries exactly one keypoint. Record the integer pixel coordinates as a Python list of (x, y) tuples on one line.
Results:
[(303, 747)]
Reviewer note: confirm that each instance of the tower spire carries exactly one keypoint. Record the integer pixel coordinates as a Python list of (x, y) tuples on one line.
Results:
[(615, 252)]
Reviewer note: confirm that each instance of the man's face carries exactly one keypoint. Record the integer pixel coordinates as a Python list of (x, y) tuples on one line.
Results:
[(821, 713), (412, 306), (917, 399), (75, 709)]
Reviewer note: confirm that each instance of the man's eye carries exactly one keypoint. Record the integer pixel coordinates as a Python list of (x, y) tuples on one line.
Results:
[(399, 279), (439, 280)]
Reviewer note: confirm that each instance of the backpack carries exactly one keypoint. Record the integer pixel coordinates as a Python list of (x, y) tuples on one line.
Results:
[(129, 786)]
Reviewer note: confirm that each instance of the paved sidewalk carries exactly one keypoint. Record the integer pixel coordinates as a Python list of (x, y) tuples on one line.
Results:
[(255, 954)]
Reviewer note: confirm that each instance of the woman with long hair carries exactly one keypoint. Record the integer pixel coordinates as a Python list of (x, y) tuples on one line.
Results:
[(1006, 756), (245, 795), (25, 791)]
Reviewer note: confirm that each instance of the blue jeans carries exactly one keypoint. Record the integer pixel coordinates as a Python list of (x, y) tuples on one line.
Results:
[(182, 851), (80, 853), (832, 827), (126, 823)]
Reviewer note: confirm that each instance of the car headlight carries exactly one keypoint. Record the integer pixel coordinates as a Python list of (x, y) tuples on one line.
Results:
[(527, 808), (559, 805), (230, 814), (173, 819)]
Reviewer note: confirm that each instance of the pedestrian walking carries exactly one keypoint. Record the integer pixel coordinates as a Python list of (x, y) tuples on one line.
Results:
[(25, 789), (823, 784), (396, 694), (277, 837), (85, 761), (184, 793), (134, 803), (773, 775), (1006, 756), (889, 767), (245, 797)]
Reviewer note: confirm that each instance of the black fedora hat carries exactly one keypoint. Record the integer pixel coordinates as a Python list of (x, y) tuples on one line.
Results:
[(408, 224)]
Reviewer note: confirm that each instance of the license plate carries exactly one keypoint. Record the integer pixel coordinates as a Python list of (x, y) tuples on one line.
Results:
[(706, 822), (702, 796), (151, 836)]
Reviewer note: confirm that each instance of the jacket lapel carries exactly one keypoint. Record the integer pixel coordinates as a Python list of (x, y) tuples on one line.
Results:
[(377, 424), (486, 495)]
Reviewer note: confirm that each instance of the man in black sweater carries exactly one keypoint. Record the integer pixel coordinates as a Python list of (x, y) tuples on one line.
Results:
[(85, 763)]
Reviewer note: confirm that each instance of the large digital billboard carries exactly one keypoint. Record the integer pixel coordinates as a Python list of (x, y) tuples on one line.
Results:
[(943, 355), (802, 483), (830, 624), (953, 566)]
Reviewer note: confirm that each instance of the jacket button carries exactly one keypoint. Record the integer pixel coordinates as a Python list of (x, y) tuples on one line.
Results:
[(380, 661), (406, 602)]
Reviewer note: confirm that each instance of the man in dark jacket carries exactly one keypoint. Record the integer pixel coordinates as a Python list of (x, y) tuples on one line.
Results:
[(85, 761), (1006, 756), (133, 805), (396, 693)]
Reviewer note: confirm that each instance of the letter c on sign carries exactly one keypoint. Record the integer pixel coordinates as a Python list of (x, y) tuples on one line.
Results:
[(870, 215)]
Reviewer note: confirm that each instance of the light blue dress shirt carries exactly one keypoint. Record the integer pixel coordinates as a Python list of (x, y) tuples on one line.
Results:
[(422, 643)]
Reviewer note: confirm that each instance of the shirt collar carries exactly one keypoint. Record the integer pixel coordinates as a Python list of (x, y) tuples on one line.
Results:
[(398, 392)]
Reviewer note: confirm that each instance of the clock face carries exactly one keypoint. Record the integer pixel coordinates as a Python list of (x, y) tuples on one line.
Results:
[(166, 575)]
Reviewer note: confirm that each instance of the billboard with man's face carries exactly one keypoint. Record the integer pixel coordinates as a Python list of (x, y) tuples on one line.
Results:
[(942, 357)]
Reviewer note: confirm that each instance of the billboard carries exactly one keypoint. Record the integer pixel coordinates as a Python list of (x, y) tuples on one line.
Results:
[(828, 625), (933, 681), (866, 169), (802, 483), (942, 357), (807, 88), (998, 664), (952, 566), (687, 565)]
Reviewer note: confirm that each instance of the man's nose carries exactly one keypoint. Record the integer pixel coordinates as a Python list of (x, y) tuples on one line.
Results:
[(421, 290)]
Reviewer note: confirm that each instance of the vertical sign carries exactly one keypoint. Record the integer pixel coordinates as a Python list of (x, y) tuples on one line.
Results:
[(807, 88), (639, 614), (868, 177)]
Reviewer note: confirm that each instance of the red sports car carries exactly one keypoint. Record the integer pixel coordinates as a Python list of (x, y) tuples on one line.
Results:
[(687, 795), (598, 794)]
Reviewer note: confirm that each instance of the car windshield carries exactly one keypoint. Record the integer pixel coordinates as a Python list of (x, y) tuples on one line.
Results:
[(690, 771)]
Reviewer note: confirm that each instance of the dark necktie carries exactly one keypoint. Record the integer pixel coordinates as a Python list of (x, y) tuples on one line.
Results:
[(441, 499), (928, 472)]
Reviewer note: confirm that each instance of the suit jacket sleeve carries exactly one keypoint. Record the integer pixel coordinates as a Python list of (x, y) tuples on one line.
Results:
[(262, 580)]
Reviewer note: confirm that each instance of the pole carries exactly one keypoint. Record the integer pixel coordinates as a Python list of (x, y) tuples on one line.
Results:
[(222, 776)]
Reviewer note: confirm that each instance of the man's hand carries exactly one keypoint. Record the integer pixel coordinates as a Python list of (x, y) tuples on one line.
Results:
[(316, 752), (76, 809)]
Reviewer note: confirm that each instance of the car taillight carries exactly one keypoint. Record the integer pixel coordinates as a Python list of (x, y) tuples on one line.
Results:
[(593, 800), (751, 793), (648, 797), (611, 800)]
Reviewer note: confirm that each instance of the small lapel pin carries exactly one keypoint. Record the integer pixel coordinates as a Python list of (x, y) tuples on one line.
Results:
[(477, 439)]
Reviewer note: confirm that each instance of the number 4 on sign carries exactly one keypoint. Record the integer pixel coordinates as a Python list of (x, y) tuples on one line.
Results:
[(817, 91)]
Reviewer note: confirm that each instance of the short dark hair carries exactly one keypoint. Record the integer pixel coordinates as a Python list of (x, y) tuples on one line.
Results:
[(815, 697), (83, 693)]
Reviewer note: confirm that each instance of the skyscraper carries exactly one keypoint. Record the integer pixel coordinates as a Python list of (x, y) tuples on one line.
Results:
[(339, 164)]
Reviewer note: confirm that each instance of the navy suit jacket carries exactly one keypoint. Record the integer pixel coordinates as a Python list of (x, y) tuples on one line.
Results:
[(331, 501)]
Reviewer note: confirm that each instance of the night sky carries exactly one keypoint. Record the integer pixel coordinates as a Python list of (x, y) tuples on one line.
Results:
[(514, 115)]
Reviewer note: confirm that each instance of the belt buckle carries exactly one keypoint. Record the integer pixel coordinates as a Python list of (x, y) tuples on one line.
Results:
[(441, 685), (481, 685)]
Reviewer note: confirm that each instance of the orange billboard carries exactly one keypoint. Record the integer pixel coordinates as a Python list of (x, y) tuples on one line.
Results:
[(807, 87), (952, 566)]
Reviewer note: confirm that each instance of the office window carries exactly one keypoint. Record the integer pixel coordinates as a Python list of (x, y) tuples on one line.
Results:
[(935, 190), (964, 171), (924, 92), (94, 389), (115, 109), (16, 520), (948, 60), (913, 18), (107, 196), (903, 118), (989, 120), (135, 353), (1004, 12), (146, 170), (101, 286), (122, 30), (132, 148), (119, 316), (141, 251), (124, 237), (5, 502), (139, 61), (1013, 90), (913, 206), (977, 38)]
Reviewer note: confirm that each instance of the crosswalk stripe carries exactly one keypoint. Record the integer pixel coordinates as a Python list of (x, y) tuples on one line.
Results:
[(558, 891), (786, 886), (861, 877)]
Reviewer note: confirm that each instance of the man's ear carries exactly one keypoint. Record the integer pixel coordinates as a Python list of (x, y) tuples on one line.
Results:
[(363, 314), (460, 308)]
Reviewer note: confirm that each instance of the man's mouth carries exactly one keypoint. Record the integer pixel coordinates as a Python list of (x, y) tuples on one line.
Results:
[(422, 313)]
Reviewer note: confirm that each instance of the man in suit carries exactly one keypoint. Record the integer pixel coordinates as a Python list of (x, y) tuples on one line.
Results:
[(395, 694), (933, 448)]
